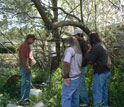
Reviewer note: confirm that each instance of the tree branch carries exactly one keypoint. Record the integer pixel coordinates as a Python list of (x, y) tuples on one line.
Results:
[(41, 10), (81, 10), (71, 23), (68, 13), (26, 13), (114, 5), (7, 9)]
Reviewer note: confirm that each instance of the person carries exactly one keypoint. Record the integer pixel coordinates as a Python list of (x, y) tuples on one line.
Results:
[(101, 62), (71, 73), (78, 34), (25, 62)]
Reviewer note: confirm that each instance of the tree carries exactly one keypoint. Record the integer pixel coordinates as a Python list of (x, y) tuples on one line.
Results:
[(54, 15)]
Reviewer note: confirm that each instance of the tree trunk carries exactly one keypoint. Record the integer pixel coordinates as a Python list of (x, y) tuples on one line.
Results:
[(55, 33)]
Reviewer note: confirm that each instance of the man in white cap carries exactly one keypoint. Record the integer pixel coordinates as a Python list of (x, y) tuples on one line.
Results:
[(78, 34)]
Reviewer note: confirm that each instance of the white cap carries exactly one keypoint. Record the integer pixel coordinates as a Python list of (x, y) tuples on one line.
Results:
[(77, 31)]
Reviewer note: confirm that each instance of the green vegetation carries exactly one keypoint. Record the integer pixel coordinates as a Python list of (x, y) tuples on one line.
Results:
[(21, 17), (51, 95)]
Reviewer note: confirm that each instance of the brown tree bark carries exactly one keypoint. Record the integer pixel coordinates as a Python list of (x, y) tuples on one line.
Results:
[(53, 24)]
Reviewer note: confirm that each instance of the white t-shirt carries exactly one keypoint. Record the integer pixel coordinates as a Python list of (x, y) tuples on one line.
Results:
[(75, 61)]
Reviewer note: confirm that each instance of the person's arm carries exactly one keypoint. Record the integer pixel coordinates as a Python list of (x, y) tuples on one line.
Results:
[(66, 65), (66, 70), (93, 56), (24, 51), (92, 63), (85, 58), (66, 73), (84, 47), (25, 64), (33, 61)]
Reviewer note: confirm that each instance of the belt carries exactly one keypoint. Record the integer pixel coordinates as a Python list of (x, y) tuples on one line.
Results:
[(78, 75)]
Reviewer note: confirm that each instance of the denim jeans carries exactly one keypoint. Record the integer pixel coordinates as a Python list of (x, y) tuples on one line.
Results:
[(70, 94), (83, 88), (100, 90), (25, 84)]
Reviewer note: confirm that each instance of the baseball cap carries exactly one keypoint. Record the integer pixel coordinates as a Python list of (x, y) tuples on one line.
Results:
[(31, 36), (77, 31)]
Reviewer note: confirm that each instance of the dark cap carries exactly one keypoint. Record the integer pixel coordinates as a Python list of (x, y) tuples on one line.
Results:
[(94, 35), (31, 36)]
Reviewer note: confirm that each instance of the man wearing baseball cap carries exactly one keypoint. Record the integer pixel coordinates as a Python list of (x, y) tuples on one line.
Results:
[(78, 33), (25, 63)]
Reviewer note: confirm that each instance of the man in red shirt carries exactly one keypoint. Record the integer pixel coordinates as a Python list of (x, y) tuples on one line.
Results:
[(25, 63)]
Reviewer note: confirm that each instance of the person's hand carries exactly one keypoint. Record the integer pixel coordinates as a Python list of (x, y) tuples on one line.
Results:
[(33, 62), (29, 71), (94, 64), (67, 82)]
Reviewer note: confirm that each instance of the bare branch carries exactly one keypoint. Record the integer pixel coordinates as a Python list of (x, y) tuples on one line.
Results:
[(69, 14), (81, 10), (114, 5), (26, 13), (41, 10), (7, 38), (71, 23)]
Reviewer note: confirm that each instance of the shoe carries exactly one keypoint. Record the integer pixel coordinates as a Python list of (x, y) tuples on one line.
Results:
[(83, 105)]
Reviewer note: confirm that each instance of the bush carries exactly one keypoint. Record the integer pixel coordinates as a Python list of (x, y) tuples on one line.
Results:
[(9, 93), (8, 49), (116, 85), (52, 93)]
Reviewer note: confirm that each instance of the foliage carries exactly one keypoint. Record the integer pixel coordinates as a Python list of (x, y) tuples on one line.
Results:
[(7, 49), (38, 75), (4, 99), (116, 87), (52, 93), (20, 17), (8, 92)]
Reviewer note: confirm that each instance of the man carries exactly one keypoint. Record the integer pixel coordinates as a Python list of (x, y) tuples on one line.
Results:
[(78, 34), (71, 73), (101, 62), (25, 63)]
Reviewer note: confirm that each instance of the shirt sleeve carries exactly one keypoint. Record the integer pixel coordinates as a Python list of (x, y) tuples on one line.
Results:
[(68, 54), (84, 47), (24, 50)]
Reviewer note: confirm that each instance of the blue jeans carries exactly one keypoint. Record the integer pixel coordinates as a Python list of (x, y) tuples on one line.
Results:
[(83, 87), (70, 94), (25, 84), (100, 90)]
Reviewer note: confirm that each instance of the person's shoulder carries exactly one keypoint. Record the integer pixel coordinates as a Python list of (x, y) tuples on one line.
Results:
[(24, 44), (71, 50), (98, 47)]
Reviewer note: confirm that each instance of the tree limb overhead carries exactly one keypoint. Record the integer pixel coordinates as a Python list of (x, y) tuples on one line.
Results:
[(41, 10), (71, 23)]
